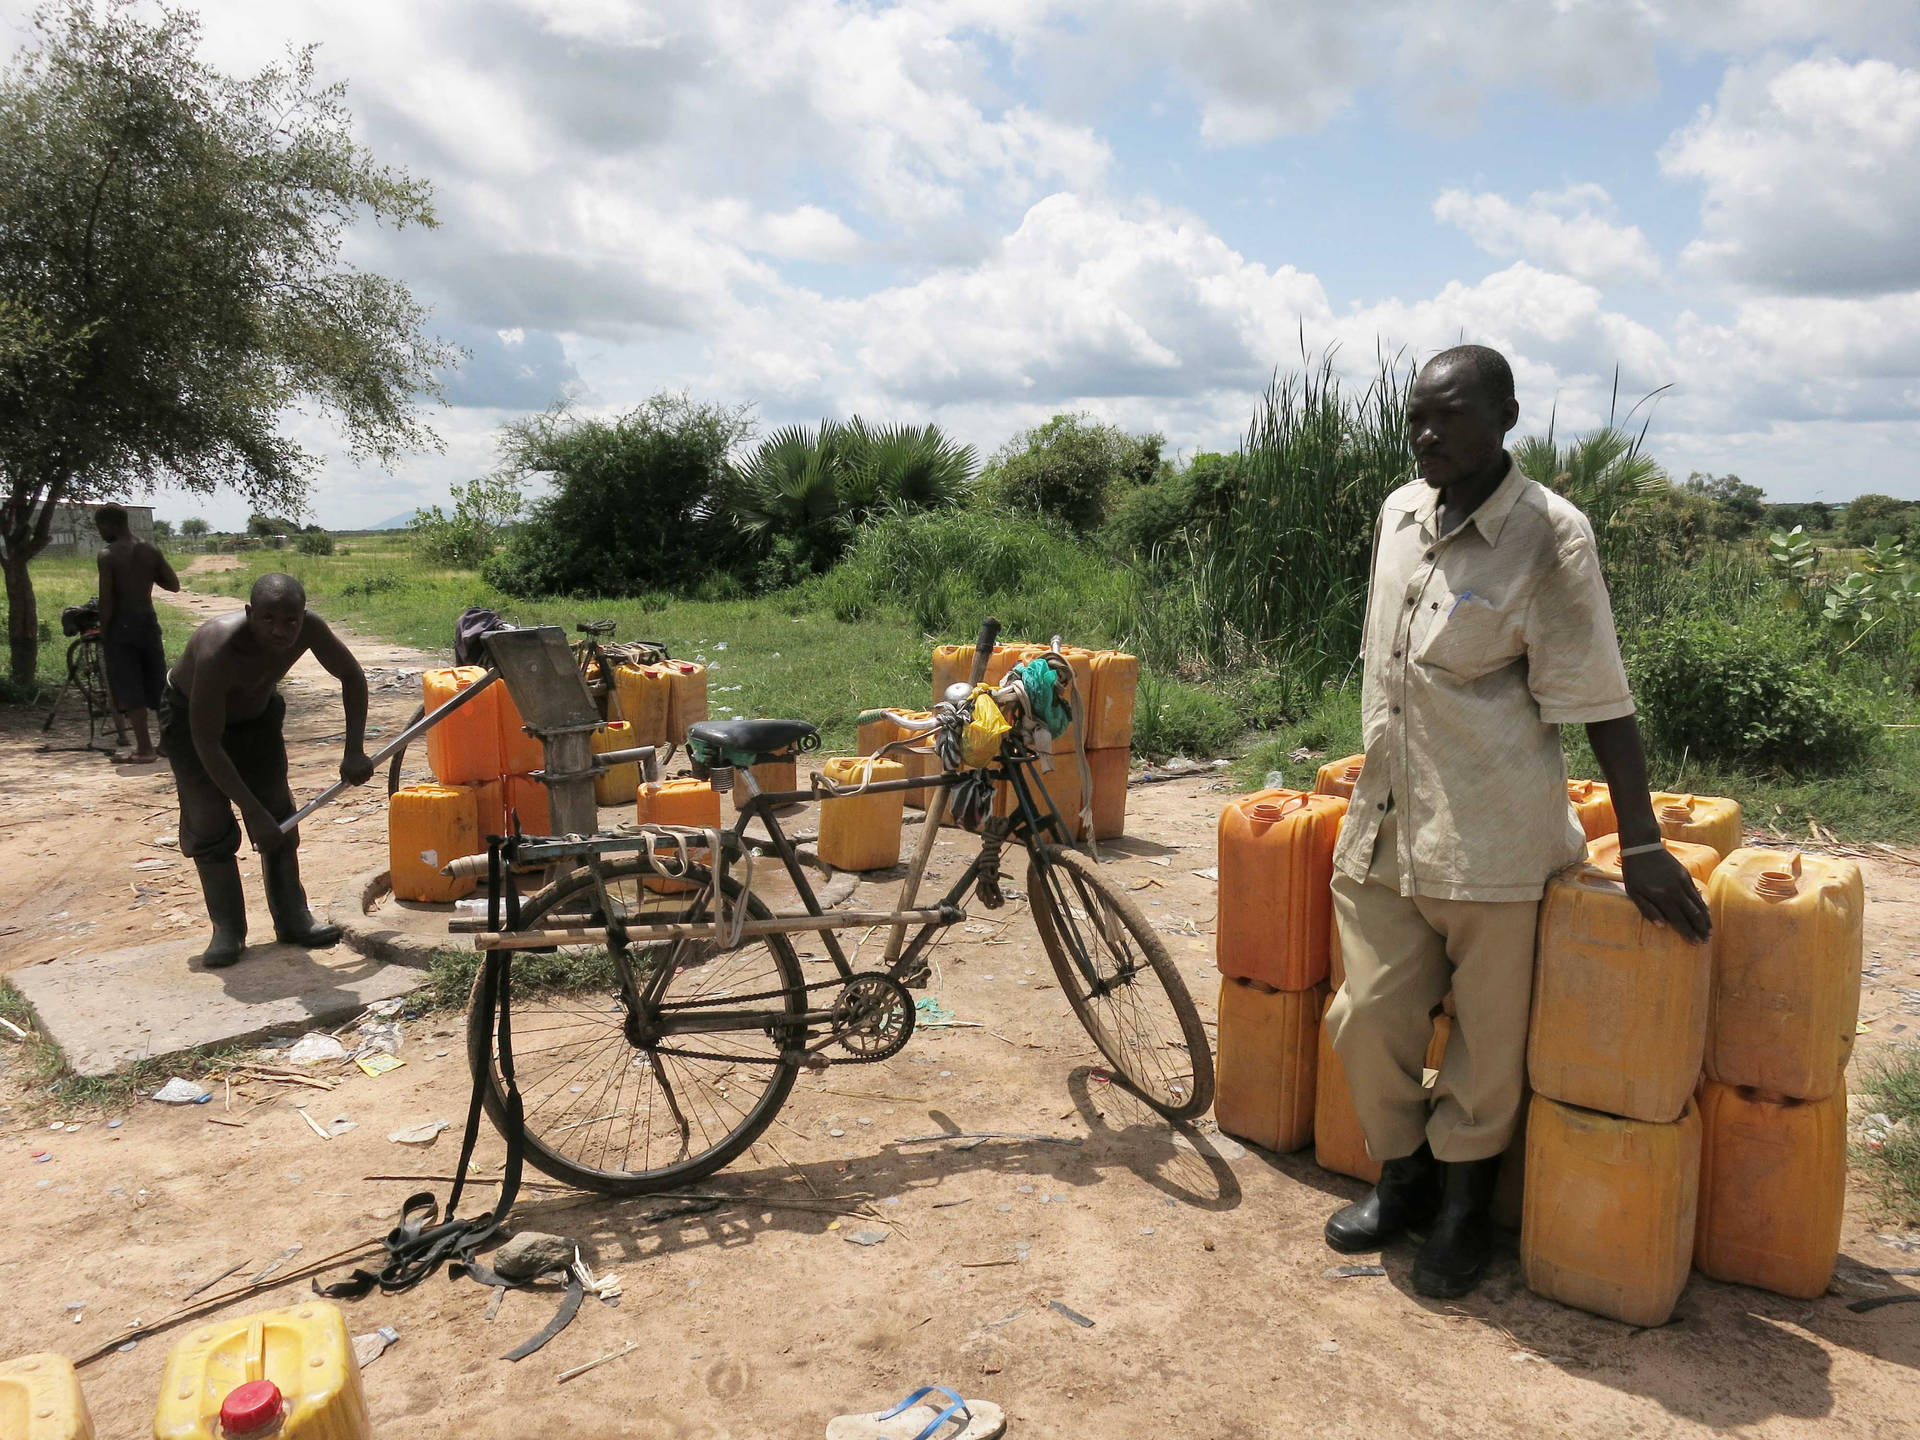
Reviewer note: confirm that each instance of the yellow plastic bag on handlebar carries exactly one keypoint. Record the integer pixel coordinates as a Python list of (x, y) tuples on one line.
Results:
[(980, 741)]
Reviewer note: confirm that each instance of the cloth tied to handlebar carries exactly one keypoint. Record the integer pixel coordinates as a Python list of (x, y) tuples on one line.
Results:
[(474, 625), (1045, 697)]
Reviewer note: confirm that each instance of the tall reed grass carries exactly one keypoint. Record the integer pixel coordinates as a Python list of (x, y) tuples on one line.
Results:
[(1281, 578)]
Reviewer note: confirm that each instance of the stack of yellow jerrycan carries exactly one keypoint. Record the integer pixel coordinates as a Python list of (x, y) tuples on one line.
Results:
[(1105, 684), (281, 1375), (1339, 1144), (1613, 1135), (1592, 802), (1786, 1003), (1276, 866), (40, 1399)]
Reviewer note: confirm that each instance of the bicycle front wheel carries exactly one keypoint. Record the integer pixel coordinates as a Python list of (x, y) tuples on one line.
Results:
[(1121, 983), (618, 1118)]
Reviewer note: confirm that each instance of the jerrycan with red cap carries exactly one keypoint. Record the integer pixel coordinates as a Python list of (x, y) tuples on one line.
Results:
[(279, 1375)]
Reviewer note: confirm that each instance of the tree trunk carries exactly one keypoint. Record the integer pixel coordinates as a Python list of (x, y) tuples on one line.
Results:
[(23, 620)]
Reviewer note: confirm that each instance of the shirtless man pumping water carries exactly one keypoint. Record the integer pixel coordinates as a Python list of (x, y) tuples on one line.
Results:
[(222, 718), (136, 664)]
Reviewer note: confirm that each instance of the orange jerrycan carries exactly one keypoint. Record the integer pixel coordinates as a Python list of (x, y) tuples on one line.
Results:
[(281, 1375), (1609, 1210), (952, 665), (466, 745), (645, 692), (40, 1399), (772, 777), (1338, 777), (1593, 803), (489, 806), (1786, 983), (1062, 786), (526, 801), (1269, 1051), (1109, 769), (1699, 820), (682, 801), (1339, 1144), (1116, 680), (1773, 1183), (1079, 660), (1619, 1003), (686, 697), (1276, 864), (427, 827), (861, 832), (520, 752)]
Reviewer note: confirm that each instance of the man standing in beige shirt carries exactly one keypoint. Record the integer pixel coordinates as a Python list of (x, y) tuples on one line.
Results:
[(1487, 628)]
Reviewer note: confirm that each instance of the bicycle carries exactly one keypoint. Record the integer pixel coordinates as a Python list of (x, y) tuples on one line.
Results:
[(87, 676), (684, 1017)]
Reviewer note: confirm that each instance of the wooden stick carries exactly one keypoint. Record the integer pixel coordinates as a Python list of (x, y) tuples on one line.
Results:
[(13, 1029), (566, 1375), (643, 934)]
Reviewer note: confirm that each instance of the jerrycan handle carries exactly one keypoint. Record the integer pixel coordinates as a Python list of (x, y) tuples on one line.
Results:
[(1269, 812), (256, 1350)]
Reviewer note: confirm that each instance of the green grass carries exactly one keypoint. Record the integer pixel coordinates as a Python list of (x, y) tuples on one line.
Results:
[(62, 580), (48, 1087), (450, 977), (1892, 1088)]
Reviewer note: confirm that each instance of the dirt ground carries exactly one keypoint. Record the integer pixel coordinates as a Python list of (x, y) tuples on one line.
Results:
[(1204, 1278)]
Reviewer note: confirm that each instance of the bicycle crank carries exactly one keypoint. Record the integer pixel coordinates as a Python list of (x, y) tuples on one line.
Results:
[(872, 1018)]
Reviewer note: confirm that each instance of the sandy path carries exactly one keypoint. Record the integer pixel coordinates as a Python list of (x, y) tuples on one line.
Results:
[(1205, 1278)]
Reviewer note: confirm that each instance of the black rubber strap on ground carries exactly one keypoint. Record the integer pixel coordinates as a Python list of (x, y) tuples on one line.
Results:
[(563, 1317)]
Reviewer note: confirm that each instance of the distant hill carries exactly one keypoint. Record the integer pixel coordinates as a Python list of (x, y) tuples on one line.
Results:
[(402, 521)]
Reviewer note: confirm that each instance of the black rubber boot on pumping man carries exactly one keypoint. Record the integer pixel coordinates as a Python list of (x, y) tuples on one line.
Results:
[(1403, 1200)]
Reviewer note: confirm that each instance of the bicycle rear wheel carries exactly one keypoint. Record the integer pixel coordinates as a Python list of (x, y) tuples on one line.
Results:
[(1121, 983), (620, 1119)]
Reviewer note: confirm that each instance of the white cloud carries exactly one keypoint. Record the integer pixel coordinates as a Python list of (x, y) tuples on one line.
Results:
[(1811, 175), (1566, 230)]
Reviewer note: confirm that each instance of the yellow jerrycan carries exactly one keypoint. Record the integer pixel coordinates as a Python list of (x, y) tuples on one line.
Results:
[(1607, 1222), (281, 1375), (1339, 1144), (861, 832), (40, 1399), (465, 746), (1786, 984), (1619, 1003), (1699, 820)]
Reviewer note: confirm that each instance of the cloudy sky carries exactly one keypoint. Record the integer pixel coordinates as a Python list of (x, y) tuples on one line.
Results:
[(983, 212)]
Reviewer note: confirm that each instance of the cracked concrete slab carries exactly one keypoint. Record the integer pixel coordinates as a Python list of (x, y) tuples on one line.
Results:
[(108, 1010)]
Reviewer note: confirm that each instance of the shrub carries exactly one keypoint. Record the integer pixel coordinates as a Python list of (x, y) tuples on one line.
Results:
[(380, 582), (1171, 717), (1869, 518), (1070, 469), (482, 510), (631, 508), (1748, 696), (1150, 521), (315, 542), (947, 570)]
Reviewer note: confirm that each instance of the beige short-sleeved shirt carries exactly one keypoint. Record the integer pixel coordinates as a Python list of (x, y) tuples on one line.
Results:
[(1478, 645)]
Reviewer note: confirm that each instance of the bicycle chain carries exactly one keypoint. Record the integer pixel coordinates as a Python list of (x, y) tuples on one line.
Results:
[(850, 1059)]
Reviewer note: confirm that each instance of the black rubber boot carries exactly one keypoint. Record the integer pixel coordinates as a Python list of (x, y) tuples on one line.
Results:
[(227, 908), (1461, 1243), (293, 922), (1404, 1198)]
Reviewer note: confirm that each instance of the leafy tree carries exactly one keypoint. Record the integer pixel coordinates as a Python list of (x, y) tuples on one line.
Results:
[(631, 505), (193, 527), (1815, 515), (802, 493), (261, 525), (482, 510), (314, 541), (170, 245), (1145, 521), (1072, 468), (1874, 517), (163, 529), (1737, 507)]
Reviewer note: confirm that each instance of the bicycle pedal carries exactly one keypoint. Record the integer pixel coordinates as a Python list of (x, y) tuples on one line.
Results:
[(814, 1060), (917, 979)]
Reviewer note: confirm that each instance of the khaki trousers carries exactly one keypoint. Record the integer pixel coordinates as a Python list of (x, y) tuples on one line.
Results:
[(1402, 955)]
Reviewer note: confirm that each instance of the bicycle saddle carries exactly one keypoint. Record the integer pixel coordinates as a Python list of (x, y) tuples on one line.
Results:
[(761, 737)]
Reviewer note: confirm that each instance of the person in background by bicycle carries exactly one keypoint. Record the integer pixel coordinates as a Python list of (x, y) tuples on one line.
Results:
[(222, 717), (129, 630), (1488, 627)]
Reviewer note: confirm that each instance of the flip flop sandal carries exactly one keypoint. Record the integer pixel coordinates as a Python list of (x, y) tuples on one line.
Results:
[(917, 1418)]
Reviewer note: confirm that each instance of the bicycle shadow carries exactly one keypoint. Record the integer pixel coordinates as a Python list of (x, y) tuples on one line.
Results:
[(772, 1194)]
